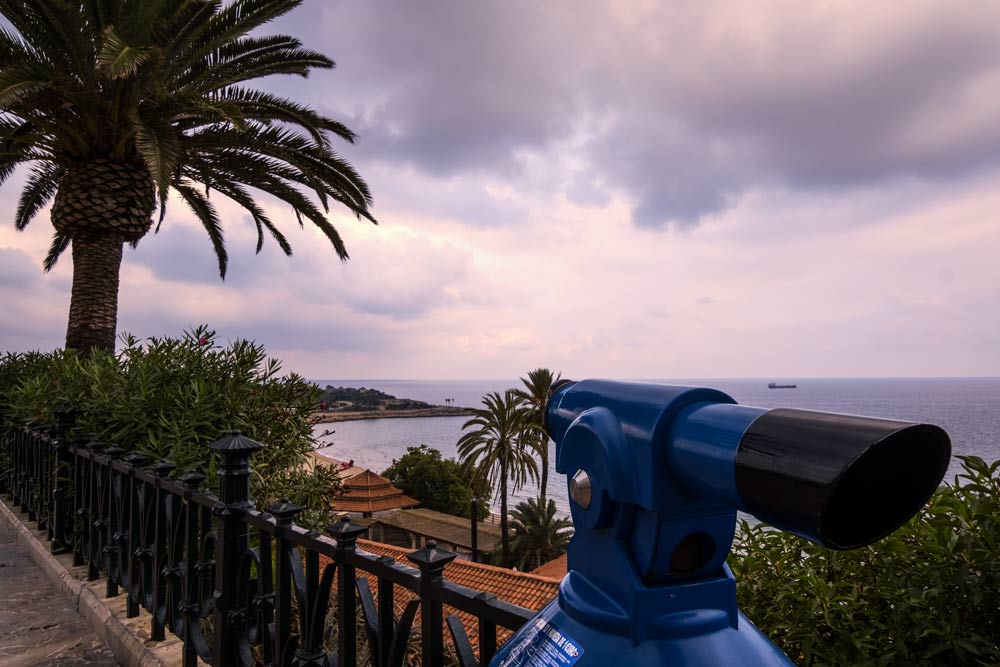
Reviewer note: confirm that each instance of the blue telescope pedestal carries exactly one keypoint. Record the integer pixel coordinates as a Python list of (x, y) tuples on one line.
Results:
[(656, 476)]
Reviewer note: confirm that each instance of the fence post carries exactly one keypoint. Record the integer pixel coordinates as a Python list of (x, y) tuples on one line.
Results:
[(234, 492), (92, 522), (162, 543), (347, 635), (112, 525), (65, 416), (283, 512), (131, 540), (431, 562), (188, 606)]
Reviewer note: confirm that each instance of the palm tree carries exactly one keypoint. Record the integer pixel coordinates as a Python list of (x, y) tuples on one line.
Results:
[(116, 103), (538, 535), (494, 452), (538, 387)]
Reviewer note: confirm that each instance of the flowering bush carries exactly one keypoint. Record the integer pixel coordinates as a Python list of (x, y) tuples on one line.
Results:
[(169, 398)]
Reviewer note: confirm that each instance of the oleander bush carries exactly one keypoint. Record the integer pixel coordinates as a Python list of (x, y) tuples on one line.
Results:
[(927, 595), (169, 398)]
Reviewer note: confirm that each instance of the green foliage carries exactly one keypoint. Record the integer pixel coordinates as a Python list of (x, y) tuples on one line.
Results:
[(14, 367), (495, 450), (436, 482), (538, 535), (538, 388), (170, 398), (927, 595)]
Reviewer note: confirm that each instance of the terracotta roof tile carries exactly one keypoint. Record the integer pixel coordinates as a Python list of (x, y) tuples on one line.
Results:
[(367, 479), (345, 504), (368, 492), (557, 567)]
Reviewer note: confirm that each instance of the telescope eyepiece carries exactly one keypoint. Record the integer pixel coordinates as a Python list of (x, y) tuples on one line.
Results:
[(842, 481)]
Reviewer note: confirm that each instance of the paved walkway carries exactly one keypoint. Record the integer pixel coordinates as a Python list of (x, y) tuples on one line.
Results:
[(38, 628)]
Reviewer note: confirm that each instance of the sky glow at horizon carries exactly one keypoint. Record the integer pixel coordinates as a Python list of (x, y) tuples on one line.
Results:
[(639, 190)]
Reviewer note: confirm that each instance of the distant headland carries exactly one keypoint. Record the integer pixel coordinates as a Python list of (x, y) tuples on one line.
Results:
[(338, 404)]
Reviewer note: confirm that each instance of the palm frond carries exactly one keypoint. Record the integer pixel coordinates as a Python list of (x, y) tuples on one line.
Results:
[(19, 80), (230, 23), (259, 105), (38, 190), (209, 218), (53, 38), (159, 147), (211, 75), (242, 197), (59, 245), (117, 58)]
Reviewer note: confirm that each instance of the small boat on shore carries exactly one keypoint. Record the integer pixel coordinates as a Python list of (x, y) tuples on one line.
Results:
[(775, 385)]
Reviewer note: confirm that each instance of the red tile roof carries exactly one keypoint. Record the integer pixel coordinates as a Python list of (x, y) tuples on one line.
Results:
[(368, 492), (557, 567)]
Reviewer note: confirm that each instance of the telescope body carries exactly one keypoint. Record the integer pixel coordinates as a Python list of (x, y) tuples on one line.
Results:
[(656, 477)]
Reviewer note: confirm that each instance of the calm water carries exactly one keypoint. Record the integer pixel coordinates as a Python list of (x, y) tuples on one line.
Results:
[(967, 408)]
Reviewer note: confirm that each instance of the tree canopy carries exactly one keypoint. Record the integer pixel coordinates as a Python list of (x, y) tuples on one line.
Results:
[(437, 482)]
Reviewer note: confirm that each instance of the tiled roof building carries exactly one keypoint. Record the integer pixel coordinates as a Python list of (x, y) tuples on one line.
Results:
[(414, 527), (367, 492)]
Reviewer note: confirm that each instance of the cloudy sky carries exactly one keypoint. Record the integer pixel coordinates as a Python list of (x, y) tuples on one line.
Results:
[(633, 189)]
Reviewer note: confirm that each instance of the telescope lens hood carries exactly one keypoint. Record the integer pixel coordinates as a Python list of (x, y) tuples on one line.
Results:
[(838, 480)]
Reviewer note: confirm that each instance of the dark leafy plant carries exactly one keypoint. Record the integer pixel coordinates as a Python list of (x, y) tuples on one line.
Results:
[(170, 398), (927, 595), (538, 534), (436, 482)]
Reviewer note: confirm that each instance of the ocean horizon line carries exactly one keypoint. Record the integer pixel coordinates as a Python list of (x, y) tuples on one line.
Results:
[(763, 378)]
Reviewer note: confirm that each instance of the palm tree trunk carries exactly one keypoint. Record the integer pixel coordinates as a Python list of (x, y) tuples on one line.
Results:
[(504, 537), (93, 308), (543, 453)]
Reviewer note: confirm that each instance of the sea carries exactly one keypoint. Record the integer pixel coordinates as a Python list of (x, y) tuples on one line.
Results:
[(967, 408)]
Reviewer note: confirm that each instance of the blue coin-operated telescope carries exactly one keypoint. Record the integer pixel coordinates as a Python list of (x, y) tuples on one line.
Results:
[(656, 476)]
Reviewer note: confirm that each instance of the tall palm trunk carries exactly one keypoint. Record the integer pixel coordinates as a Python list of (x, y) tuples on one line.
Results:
[(543, 454), (504, 536), (93, 307), (100, 205)]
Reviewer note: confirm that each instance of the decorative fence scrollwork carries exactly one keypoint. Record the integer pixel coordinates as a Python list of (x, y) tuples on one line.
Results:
[(239, 586)]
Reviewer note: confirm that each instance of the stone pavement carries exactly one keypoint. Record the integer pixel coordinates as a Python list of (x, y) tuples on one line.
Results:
[(38, 628)]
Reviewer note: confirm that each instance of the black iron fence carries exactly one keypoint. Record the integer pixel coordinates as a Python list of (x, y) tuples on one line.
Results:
[(239, 586)]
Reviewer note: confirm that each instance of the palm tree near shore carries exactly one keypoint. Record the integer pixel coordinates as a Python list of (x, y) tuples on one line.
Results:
[(495, 453), (538, 387), (539, 536), (116, 103)]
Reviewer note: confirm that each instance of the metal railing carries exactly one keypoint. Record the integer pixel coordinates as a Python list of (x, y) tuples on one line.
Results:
[(238, 585)]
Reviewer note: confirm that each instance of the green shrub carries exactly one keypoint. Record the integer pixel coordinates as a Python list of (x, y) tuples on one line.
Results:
[(929, 594), (169, 398), (436, 482)]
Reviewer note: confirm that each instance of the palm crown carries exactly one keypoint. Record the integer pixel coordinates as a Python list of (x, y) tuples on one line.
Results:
[(538, 388), (493, 449), (117, 102)]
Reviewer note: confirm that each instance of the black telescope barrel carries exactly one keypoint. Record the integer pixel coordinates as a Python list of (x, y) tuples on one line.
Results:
[(840, 480)]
